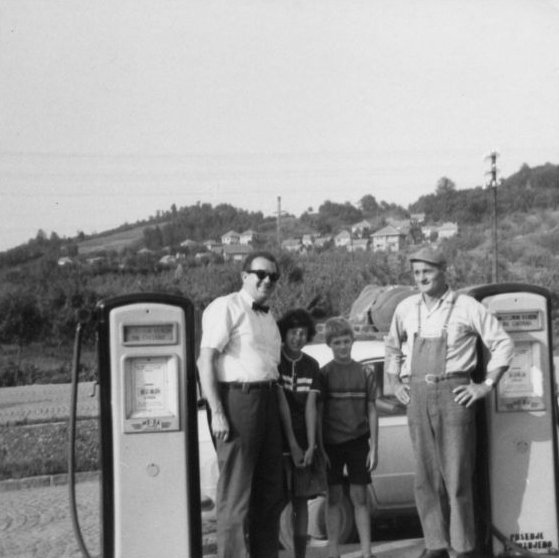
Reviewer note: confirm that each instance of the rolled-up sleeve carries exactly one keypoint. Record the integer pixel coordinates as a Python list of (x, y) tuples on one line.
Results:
[(216, 323), (495, 338)]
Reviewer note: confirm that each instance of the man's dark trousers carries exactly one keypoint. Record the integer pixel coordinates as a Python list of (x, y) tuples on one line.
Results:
[(250, 490)]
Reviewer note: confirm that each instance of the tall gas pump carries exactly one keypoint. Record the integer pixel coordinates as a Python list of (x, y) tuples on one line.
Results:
[(149, 436), (520, 428)]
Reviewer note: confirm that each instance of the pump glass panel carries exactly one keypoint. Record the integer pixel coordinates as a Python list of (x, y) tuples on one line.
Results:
[(152, 401), (521, 321), (149, 334), (522, 386)]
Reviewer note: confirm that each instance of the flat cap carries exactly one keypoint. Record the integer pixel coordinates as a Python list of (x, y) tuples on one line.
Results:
[(429, 255)]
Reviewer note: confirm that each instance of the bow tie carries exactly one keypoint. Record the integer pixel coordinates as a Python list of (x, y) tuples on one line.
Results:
[(260, 307)]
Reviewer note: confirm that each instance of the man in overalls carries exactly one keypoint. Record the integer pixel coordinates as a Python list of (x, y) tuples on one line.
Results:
[(440, 328)]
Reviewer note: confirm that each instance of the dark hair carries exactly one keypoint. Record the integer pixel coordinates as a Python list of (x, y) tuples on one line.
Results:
[(297, 318), (259, 254)]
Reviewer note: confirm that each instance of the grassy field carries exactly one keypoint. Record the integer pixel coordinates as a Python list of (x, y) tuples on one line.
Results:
[(40, 364), (117, 241), (41, 449)]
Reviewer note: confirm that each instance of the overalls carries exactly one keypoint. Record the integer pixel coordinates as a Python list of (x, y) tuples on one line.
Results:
[(443, 439)]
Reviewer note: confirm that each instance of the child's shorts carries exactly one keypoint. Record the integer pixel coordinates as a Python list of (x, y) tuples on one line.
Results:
[(353, 455)]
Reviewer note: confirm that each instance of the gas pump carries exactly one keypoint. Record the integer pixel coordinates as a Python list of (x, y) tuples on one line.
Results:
[(149, 440), (521, 485)]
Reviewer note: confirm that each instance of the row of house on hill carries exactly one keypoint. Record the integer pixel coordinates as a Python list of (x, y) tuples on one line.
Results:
[(235, 246), (233, 237), (391, 238)]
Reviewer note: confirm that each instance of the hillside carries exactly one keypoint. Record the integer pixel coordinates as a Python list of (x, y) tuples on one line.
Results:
[(117, 241), (526, 191), (39, 297)]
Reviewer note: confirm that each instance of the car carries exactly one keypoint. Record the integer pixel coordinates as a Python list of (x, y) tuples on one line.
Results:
[(391, 489)]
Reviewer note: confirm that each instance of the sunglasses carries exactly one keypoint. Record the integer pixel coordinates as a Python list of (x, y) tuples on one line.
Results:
[(261, 274)]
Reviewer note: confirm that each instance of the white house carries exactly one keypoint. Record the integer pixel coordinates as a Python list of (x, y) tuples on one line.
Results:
[(361, 228), (322, 241), (230, 238), (427, 231), (342, 239), (388, 239), (402, 225), (309, 239), (235, 252), (213, 246), (359, 245), (448, 230), (247, 237), (418, 218), (292, 245), (167, 261)]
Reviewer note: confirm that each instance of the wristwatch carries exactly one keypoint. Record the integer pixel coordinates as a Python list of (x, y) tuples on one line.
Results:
[(490, 382)]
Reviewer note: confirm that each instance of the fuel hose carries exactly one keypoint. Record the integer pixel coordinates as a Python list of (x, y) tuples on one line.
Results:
[(82, 318)]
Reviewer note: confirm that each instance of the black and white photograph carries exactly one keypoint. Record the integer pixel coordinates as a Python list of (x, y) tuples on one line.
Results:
[(279, 279)]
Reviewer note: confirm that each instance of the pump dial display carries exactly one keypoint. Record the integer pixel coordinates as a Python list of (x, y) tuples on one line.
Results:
[(151, 393), (149, 334)]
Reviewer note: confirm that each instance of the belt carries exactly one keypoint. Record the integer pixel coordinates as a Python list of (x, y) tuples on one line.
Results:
[(249, 386), (434, 379)]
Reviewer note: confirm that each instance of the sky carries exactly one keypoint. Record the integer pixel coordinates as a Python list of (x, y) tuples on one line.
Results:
[(114, 109)]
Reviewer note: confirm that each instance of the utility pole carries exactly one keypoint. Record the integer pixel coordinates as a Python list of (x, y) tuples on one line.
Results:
[(278, 223), (493, 183)]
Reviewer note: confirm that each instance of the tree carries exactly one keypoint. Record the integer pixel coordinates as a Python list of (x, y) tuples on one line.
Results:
[(21, 321), (369, 205), (416, 234), (41, 237), (72, 249), (445, 186), (153, 238)]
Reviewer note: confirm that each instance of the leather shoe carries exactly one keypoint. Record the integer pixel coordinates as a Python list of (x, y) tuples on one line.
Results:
[(439, 553)]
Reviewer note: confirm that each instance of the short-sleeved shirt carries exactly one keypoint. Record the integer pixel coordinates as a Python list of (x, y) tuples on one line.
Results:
[(469, 320), (248, 342), (347, 389), (298, 378)]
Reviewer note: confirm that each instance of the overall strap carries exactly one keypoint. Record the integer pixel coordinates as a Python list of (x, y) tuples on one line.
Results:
[(453, 300), (445, 325)]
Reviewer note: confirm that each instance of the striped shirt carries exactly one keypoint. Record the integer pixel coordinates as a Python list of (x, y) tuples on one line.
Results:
[(347, 389), (298, 378)]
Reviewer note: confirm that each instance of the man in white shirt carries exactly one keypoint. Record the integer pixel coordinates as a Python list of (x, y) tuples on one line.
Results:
[(440, 329), (238, 365)]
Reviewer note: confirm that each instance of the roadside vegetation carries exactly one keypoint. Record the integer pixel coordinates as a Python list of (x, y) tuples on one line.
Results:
[(41, 449)]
